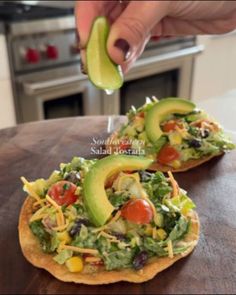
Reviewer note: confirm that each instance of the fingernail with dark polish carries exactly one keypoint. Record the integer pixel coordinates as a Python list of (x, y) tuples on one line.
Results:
[(82, 68), (78, 37), (123, 45), (78, 40)]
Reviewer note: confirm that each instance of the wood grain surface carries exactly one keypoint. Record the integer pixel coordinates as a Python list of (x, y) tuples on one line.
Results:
[(35, 149)]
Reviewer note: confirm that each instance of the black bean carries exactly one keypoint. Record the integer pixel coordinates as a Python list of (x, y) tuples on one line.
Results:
[(195, 143), (140, 260), (145, 176), (205, 133), (73, 177), (77, 226)]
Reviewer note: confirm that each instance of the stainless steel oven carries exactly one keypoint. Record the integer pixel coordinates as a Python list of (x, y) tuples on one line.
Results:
[(46, 75), (57, 93)]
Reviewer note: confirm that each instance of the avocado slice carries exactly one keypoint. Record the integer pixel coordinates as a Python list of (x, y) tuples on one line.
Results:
[(161, 110), (102, 71), (98, 206)]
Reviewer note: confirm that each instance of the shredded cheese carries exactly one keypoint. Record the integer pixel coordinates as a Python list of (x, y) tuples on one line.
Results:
[(106, 235), (80, 250), (61, 227), (52, 202), (92, 259), (155, 218), (58, 219), (30, 190), (37, 217), (61, 246), (183, 132), (39, 214), (174, 184), (59, 216), (196, 122), (114, 219), (170, 249), (40, 202)]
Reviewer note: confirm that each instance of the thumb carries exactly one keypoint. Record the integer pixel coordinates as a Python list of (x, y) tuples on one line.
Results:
[(132, 29)]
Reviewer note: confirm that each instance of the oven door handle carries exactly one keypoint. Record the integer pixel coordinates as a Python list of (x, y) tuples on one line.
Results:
[(32, 87), (194, 50)]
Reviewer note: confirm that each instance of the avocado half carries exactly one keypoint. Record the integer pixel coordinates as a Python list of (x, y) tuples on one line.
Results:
[(161, 110), (98, 206)]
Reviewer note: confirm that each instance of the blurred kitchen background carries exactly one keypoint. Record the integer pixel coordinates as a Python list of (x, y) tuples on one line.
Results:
[(40, 75)]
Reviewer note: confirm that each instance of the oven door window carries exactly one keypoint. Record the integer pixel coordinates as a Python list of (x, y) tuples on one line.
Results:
[(159, 85), (67, 106)]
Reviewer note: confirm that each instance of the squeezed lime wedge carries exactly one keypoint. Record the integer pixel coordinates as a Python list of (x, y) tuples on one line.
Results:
[(102, 71)]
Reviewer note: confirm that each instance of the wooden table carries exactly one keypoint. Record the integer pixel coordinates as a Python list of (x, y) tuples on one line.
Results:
[(35, 149)]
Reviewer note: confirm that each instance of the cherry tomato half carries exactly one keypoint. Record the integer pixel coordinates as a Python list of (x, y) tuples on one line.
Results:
[(167, 154), (63, 192), (171, 125), (97, 263), (137, 211), (141, 114), (124, 145)]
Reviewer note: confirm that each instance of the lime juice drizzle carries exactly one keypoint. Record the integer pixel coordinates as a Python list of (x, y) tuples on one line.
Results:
[(108, 91)]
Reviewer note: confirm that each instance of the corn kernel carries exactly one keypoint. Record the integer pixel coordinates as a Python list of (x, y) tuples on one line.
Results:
[(175, 138), (176, 164), (161, 234), (148, 230), (74, 264), (64, 236)]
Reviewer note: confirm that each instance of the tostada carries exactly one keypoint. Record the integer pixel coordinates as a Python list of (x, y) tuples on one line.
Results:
[(172, 132), (108, 220)]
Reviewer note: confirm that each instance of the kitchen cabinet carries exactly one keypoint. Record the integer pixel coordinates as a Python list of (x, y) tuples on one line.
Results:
[(7, 112), (215, 69)]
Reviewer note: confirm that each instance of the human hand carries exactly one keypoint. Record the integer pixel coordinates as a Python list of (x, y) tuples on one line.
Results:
[(134, 22)]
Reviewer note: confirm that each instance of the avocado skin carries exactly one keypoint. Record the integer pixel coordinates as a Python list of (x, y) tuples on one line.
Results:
[(161, 110), (97, 204)]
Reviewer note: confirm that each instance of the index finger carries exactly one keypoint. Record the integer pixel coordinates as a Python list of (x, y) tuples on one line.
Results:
[(86, 12)]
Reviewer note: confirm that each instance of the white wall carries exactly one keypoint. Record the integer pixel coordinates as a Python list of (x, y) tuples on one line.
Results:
[(215, 69), (7, 113)]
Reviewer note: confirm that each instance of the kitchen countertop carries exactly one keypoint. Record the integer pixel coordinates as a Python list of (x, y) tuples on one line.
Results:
[(35, 149)]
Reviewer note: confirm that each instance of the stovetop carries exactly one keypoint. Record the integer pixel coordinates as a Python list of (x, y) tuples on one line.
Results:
[(15, 12)]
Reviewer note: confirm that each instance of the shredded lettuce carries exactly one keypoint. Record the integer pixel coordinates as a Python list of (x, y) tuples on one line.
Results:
[(156, 248), (190, 153), (77, 164), (62, 256), (157, 188), (221, 141), (117, 199), (83, 234), (82, 242), (119, 259), (182, 202), (44, 237), (180, 229)]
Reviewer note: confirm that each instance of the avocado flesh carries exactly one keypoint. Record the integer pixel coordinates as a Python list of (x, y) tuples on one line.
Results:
[(160, 111), (98, 206), (102, 71)]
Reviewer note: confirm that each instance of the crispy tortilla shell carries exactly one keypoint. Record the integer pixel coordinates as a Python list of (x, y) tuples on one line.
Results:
[(164, 168), (33, 253)]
